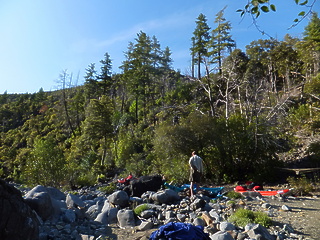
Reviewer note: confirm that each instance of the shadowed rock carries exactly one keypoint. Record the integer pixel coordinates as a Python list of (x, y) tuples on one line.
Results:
[(17, 220)]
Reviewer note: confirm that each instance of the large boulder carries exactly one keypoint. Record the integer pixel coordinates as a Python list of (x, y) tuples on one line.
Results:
[(73, 201), (221, 235), (120, 198), (108, 214), (166, 196), (53, 192), (46, 201), (42, 204), (17, 220), (258, 231), (126, 218)]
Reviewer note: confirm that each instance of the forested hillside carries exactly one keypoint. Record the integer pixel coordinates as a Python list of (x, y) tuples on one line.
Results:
[(246, 113)]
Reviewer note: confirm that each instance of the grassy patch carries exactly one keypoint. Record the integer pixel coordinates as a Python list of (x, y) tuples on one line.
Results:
[(139, 209), (242, 217), (234, 195)]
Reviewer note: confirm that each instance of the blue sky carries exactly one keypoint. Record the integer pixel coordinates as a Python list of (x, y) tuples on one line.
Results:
[(42, 38)]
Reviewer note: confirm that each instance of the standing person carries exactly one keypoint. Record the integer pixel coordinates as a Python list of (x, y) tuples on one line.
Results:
[(196, 170)]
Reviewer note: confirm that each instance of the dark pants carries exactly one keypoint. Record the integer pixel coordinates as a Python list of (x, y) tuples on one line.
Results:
[(195, 176)]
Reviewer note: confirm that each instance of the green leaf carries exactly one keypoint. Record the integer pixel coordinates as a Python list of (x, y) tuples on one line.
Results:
[(297, 1), (254, 10), (255, 3), (302, 13), (296, 20), (273, 7), (304, 3), (265, 9), (239, 10)]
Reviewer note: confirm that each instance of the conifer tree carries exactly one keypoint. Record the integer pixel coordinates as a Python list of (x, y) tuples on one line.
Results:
[(200, 41), (91, 82), (221, 40), (310, 47), (105, 75)]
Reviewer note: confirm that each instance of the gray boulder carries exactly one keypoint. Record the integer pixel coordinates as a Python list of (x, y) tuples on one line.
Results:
[(57, 201), (112, 215), (259, 232), (102, 218), (120, 198), (147, 213), (166, 196), (53, 192), (197, 203), (252, 194), (73, 201), (221, 236), (42, 204), (17, 219), (108, 214), (69, 216), (226, 226), (126, 218), (199, 222), (93, 211), (145, 226)]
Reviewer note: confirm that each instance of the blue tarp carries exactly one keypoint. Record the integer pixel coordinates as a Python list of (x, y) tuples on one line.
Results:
[(214, 191), (179, 231)]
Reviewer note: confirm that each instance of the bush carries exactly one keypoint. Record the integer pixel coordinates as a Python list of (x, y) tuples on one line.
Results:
[(139, 209), (302, 186), (242, 217), (234, 195), (46, 165), (262, 219), (110, 188)]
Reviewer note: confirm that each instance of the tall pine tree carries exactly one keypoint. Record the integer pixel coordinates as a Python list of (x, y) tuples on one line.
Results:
[(200, 41), (221, 40)]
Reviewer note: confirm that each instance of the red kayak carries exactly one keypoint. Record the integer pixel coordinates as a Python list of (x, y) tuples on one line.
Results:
[(265, 192)]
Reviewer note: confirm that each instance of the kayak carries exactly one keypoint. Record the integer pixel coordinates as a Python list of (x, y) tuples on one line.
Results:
[(214, 191), (267, 192)]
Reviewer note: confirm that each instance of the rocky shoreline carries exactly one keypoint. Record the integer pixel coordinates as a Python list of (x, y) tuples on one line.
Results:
[(89, 213)]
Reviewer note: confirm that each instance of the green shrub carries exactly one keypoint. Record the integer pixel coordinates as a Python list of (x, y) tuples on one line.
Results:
[(262, 219), (110, 188), (46, 165), (234, 195), (242, 217), (139, 209), (302, 185)]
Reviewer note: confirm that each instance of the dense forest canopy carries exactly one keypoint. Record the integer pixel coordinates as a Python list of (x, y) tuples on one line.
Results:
[(246, 113)]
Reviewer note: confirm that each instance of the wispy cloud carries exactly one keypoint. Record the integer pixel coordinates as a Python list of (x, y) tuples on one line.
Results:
[(168, 23)]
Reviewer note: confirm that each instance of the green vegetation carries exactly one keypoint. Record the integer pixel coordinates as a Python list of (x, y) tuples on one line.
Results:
[(301, 185), (110, 188), (139, 209), (242, 217), (234, 195), (240, 115)]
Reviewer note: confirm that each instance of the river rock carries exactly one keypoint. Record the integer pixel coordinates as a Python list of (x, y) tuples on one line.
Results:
[(42, 204), (166, 196), (126, 218), (17, 220), (120, 198), (221, 235), (259, 232), (73, 201)]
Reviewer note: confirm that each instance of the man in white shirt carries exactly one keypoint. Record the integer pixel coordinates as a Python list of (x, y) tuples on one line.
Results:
[(196, 171)]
